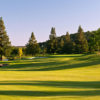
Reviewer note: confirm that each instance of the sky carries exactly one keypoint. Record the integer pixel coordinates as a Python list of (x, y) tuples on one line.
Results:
[(22, 17)]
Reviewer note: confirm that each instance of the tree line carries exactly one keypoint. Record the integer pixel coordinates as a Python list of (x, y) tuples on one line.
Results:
[(77, 43)]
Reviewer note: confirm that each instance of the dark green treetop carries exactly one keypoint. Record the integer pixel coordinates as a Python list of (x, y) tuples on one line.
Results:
[(52, 43), (68, 44), (53, 34), (32, 47), (67, 37), (81, 41)]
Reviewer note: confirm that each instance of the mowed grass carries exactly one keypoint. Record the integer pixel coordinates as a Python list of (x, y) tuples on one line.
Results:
[(59, 77)]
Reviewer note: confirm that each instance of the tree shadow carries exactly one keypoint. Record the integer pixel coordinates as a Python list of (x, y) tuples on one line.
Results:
[(58, 84), (50, 66), (51, 93), (61, 84), (47, 64), (90, 57)]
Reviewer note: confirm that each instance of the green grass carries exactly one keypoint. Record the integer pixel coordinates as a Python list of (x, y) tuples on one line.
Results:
[(58, 77)]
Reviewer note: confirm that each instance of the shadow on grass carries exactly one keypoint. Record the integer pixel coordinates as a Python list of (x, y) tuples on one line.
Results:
[(50, 64), (61, 84), (52, 93), (58, 84)]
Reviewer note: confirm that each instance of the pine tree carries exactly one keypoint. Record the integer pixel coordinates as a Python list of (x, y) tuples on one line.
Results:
[(5, 44), (52, 43), (60, 46), (32, 46), (67, 37), (53, 34), (81, 42), (68, 45)]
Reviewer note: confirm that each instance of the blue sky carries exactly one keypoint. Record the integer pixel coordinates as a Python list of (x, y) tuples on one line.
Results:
[(22, 17)]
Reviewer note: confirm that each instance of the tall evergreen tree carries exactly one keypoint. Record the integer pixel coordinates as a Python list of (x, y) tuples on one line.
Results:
[(60, 46), (5, 44), (68, 45), (53, 34), (52, 43), (32, 46), (81, 42)]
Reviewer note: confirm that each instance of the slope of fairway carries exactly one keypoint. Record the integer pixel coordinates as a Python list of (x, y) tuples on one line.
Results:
[(59, 77)]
